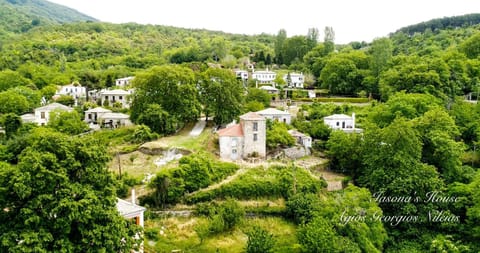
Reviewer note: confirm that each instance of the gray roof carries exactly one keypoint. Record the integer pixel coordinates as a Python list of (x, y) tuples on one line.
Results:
[(98, 109), (115, 92), (338, 116), (54, 106), (114, 115), (272, 111), (29, 117), (127, 209)]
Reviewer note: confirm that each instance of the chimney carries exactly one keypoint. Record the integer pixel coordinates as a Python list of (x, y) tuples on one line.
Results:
[(133, 196), (353, 121)]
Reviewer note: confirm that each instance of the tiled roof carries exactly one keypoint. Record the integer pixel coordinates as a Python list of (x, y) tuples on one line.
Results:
[(54, 106), (98, 109), (338, 116), (252, 115), (233, 131), (272, 111), (128, 209), (114, 115)]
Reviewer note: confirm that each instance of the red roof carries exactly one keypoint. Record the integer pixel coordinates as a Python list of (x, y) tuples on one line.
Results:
[(233, 131)]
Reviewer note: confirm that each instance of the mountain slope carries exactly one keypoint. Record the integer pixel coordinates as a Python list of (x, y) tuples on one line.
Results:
[(21, 15)]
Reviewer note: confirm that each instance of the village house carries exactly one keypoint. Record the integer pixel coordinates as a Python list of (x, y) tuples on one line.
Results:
[(342, 122), (294, 80), (264, 76), (75, 90), (114, 119), (130, 210), (111, 97), (302, 139), (122, 82), (244, 140), (276, 115), (41, 115), (270, 90), (241, 74), (92, 116)]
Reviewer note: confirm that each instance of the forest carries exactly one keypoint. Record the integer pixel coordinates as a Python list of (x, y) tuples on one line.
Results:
[(411, 180)]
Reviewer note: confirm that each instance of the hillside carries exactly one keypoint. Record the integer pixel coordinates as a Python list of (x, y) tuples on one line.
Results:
[(22, 15)]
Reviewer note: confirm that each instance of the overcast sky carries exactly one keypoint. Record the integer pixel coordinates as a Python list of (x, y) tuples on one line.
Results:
[(352, 20)]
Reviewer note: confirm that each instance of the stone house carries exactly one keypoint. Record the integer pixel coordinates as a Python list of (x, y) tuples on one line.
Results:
[(243, 140)]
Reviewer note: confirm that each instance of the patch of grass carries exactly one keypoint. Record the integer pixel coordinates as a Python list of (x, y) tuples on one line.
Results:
[(179, 234)]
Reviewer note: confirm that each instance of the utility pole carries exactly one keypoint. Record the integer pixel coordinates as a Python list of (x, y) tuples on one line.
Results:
[(119, 165)]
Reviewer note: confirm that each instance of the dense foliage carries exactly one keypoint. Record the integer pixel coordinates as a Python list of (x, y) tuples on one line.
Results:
[(59, 196)]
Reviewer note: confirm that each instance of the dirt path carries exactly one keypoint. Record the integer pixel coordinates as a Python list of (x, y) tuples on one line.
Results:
[(227, 180)]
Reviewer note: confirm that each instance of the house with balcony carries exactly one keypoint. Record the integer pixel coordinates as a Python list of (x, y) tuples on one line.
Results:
[(112, 97), (264, 77)]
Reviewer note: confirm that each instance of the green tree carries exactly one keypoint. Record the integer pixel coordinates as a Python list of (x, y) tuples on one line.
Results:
[(11, 101), (67, 122), (279, 44), (381, 52), (10, 79), (259, 95), (72, 208), (277, 135), (259, 241), (11, 123), (221, 95), (158, 119), (170, 86)]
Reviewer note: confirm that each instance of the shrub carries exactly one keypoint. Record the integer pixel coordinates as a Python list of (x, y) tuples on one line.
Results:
[(259, 241)]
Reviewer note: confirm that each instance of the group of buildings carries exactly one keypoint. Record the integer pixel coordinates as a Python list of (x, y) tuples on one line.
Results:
[(268, 77), (247, 138)]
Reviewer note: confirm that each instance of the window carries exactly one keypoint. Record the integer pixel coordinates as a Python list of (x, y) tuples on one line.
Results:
[(255, 126), (120, 97), (234, 151), (338, 123), (106, 97), (42, 115), (89, 116), (255, 137)]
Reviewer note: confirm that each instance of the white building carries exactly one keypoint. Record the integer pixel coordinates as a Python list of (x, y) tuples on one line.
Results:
[(270, 89), (122, 82), (243, 140), (342, 122), (42, 114), (264, 76), (241, 74), (75, 90), (110, 97), (275, 114), (92, 116), (114, 120), (296, 80), (302, 139)]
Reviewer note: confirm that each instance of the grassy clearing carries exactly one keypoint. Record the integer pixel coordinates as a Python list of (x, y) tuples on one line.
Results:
[(138, 164), (179, 234)]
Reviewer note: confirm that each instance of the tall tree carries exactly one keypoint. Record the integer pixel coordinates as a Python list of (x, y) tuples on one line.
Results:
[(221, 94), (173, 87), (60, 197), (381, 51), (279, 41), (329, 39)]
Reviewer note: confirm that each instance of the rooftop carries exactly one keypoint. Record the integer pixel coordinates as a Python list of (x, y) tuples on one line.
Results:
[(114, 115), (127, 209), (54, 106), (115, 92), (98, 109), (272, 111), (251, 116), (270, 88), (232, 131), (338, 116)]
